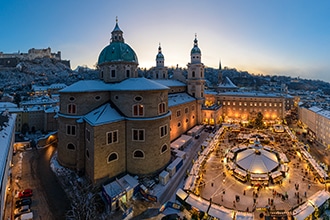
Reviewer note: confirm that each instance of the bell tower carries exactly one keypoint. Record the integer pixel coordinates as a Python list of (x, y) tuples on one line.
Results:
[(195, 79)]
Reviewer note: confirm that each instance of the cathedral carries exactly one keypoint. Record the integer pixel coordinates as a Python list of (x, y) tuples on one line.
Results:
[(123, 123)]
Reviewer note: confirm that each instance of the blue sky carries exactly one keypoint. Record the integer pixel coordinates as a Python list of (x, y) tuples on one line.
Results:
[(263, 37)]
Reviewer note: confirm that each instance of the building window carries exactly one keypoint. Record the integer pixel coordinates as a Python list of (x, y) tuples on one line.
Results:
[(161, 107), (138, 154), (138, 110), (87, 153), (164, 149), (71, 147), (97, 97), (179, 124), (138, 134), (127, 73), (113, 74), (72, 99), (192, 108), (71, 108), (112, 157), (71, 130), (186, 110), (88, 135), (163, 131), (178, 113), (193, 74), (112, 137)]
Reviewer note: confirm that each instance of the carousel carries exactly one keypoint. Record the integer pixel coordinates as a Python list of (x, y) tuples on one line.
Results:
[(256, 164)]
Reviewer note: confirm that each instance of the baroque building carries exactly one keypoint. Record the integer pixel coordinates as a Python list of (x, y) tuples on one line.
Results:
[(123, 123)]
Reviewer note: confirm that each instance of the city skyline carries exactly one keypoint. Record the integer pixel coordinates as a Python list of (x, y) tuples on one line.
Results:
[(273, 38)]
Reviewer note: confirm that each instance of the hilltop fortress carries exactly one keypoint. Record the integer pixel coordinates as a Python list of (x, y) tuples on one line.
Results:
[(12, 59)]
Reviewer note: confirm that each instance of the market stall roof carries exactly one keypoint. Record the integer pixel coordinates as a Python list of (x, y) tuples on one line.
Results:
[(257, 160), (220, 212), (319, 198), (244, 216), (198, 203), (303, 211)]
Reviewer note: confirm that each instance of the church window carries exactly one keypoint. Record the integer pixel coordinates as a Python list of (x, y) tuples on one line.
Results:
[(112, 157), (87, 153), (164, 149), (138, 154), (88, 135), (138, 98), (113, 74), (102, 74), (201, 73), (193, 73), (163, 131), (71, 108), (161, 108), (202, 94), (138, 134), (71, 147), (112, 137), (71, 130), (97, 97), (72, 98), (127, 73), (138, 110)]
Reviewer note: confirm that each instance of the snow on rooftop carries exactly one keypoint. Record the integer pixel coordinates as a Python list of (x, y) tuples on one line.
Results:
[(227, 83), (169, 82), (179, 98), (138, 84), (324, 113), (87, 86), (7, 129), (7, 105), (315, 109), (249, 94), (102, 115)]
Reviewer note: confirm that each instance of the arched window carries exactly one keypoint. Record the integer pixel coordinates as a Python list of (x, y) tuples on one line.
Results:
[(161, 107), (138, 154), (193, 73), (72, 108), (71, 147), (164, 149), (138, 110), (112, 157)]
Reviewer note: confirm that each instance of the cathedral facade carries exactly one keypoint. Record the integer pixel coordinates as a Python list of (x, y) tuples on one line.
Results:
[(123, 123)]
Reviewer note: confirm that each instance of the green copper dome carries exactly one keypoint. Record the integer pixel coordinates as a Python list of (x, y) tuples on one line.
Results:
[(117, 51), (195, 49)]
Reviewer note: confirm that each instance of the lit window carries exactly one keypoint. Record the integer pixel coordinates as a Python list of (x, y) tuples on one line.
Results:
[(112, 137), (138, 110), (138, 134)]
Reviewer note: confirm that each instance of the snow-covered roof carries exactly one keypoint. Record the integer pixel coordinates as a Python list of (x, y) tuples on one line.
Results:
[(319, 198), (325, 113), (7, 105), (138, 84), (102, 115), (244, 216), (39, 88), (198, 202), (179, 98), (52, 109), (87, 86), (169, 82), (315, 109), (303, 211), (251, 94), (227, 84), (220, 212), (7, 128), (57, 86)]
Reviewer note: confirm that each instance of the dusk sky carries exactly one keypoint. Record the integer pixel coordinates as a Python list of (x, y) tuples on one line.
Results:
[(268, 37)]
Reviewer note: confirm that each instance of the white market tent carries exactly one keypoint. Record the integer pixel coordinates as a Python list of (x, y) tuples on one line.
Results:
[(220, 212), (319, 198), (198, 203), (244, 216), (303, 211)]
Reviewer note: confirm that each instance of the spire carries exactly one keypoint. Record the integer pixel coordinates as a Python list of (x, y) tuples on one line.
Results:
[(160, 57), (195, 41), (220, 67), (117, 33)]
